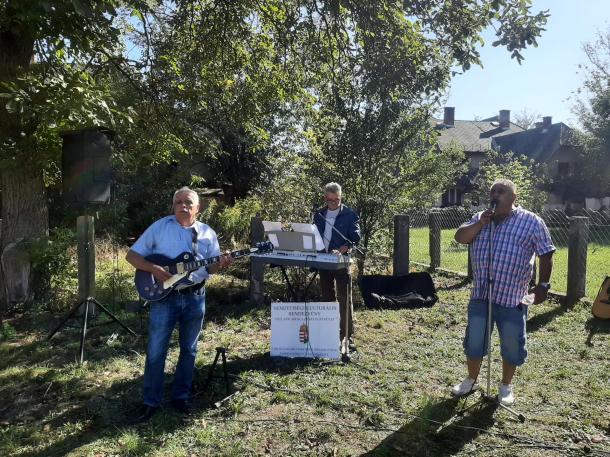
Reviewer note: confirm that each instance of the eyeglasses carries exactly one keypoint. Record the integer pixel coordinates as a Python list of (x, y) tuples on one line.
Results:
[(184, 202), (332, 200)]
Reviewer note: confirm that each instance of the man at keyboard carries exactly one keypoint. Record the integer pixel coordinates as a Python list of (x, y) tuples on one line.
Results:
[(338, 225)]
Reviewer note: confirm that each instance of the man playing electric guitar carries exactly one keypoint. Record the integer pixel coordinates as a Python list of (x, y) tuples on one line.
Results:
[(171, 236)]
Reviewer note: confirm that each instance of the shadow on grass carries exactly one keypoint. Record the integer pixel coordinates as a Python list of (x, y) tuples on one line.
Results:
[(540, 320), (459, 284), (110, 414), (216, 390), (438, 431), (35, 349), (104, 416), (596, 326)]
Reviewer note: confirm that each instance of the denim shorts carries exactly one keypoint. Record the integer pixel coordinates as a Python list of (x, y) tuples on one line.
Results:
[(511, 327)]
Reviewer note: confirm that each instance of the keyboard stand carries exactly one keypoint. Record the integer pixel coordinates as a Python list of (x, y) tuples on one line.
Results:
[(293, 293)]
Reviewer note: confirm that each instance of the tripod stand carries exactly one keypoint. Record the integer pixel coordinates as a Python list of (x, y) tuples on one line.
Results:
[(86, 283)]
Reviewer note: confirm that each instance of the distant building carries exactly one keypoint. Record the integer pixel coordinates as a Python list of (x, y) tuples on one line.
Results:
[(546, 143)]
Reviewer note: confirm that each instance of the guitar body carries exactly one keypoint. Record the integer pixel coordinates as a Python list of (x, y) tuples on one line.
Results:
[(151, 290), (601, 305)]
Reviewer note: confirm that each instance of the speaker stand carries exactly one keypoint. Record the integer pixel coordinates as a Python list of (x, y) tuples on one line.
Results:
[(86, 281), (86, 303)]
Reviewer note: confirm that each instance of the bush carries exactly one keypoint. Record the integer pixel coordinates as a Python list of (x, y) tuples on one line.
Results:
[(232, 223), (55, 269)]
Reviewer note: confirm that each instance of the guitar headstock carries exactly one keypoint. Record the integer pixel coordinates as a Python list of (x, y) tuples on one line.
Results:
[(264, 246)]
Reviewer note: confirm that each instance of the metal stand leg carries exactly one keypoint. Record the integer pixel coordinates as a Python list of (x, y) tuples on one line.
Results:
[(88, 301), (345, 351), (65, 319), (83, 333), (112, 316), (293, 293), (220, 351)]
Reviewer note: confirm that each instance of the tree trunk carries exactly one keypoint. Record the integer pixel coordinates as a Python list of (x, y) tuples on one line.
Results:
[(24, 210)]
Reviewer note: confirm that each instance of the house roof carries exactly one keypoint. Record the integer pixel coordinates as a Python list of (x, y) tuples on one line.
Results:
[(539, 143), (473, 136)]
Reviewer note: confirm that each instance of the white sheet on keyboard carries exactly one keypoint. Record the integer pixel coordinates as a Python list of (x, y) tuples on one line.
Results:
[(310, 229)]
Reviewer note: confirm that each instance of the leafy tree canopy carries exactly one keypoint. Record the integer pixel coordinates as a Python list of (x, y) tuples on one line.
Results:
[(593, 110)]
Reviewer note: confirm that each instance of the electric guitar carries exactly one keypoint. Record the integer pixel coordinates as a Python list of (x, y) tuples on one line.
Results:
[(601, 305), (180, 267)]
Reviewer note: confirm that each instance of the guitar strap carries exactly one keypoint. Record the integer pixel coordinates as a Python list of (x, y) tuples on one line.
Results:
[(195, 251), (194, 245)]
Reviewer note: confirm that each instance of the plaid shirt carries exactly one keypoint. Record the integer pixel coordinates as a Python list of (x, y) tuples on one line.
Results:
[(516, 239)]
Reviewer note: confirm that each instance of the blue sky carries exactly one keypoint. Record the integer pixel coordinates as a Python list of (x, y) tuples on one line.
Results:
[(548, 77)]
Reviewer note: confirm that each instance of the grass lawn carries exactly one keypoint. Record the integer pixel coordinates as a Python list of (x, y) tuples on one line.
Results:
[(392, 400), (454, 257)]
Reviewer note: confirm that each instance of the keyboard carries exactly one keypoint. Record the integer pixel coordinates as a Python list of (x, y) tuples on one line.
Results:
[(320, 260)]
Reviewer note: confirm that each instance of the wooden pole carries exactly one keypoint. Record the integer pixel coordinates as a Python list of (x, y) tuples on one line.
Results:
[(434, 224), (401, 245), (578, 238)]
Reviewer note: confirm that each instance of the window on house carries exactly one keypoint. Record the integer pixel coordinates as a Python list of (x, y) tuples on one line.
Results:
[(452, 197)]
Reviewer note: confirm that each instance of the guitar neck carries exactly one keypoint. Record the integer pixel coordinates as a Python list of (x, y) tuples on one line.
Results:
[(192, 266)]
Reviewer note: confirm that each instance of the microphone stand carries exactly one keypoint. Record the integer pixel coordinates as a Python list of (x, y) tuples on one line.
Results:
[(487, 395), (345, 352)]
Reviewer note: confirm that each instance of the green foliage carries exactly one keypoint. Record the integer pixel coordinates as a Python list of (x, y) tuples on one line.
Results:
[(47, 85), (386, 156), (528, 176), (592, 178), (292, 191), (238, 92), (54, 266), (232, 223), (7, 332)]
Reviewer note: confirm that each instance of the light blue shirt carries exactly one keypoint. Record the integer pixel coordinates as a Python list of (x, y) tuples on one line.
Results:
[(167, 237)]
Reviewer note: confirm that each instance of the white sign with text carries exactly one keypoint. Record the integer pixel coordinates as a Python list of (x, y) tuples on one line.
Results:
[(305, 329)]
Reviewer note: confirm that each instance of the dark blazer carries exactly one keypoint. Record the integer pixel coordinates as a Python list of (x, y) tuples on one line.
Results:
[(346, 223)]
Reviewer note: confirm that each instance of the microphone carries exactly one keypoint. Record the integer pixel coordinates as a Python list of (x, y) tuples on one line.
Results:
[(493, 204)]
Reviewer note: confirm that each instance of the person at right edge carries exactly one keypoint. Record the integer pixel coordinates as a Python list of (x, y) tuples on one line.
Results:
[(333, 220), (518, 236)]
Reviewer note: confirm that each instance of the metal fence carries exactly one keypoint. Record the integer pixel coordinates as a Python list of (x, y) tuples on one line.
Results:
[(582, 237)]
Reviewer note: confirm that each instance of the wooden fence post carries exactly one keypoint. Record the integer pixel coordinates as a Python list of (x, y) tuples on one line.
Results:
[(434, 224), (578, 238), (401, 245), (257, 267)]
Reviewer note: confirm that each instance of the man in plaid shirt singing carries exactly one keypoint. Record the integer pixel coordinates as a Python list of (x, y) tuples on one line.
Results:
[(518, 236)]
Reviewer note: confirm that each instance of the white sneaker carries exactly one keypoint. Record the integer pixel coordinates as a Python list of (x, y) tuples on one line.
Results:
[(465, 387), (505, 394)]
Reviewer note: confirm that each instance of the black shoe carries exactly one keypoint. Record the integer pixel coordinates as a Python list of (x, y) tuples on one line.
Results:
[(181, 406), (146, 414)]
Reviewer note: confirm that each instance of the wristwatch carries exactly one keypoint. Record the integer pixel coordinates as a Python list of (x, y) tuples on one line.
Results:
[(546, 285)]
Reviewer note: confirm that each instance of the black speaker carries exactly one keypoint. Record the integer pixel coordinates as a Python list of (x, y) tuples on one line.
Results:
[(85, 164)]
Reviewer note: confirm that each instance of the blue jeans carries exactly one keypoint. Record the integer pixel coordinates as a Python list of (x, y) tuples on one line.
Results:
[(511, 327), (188, 312)]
